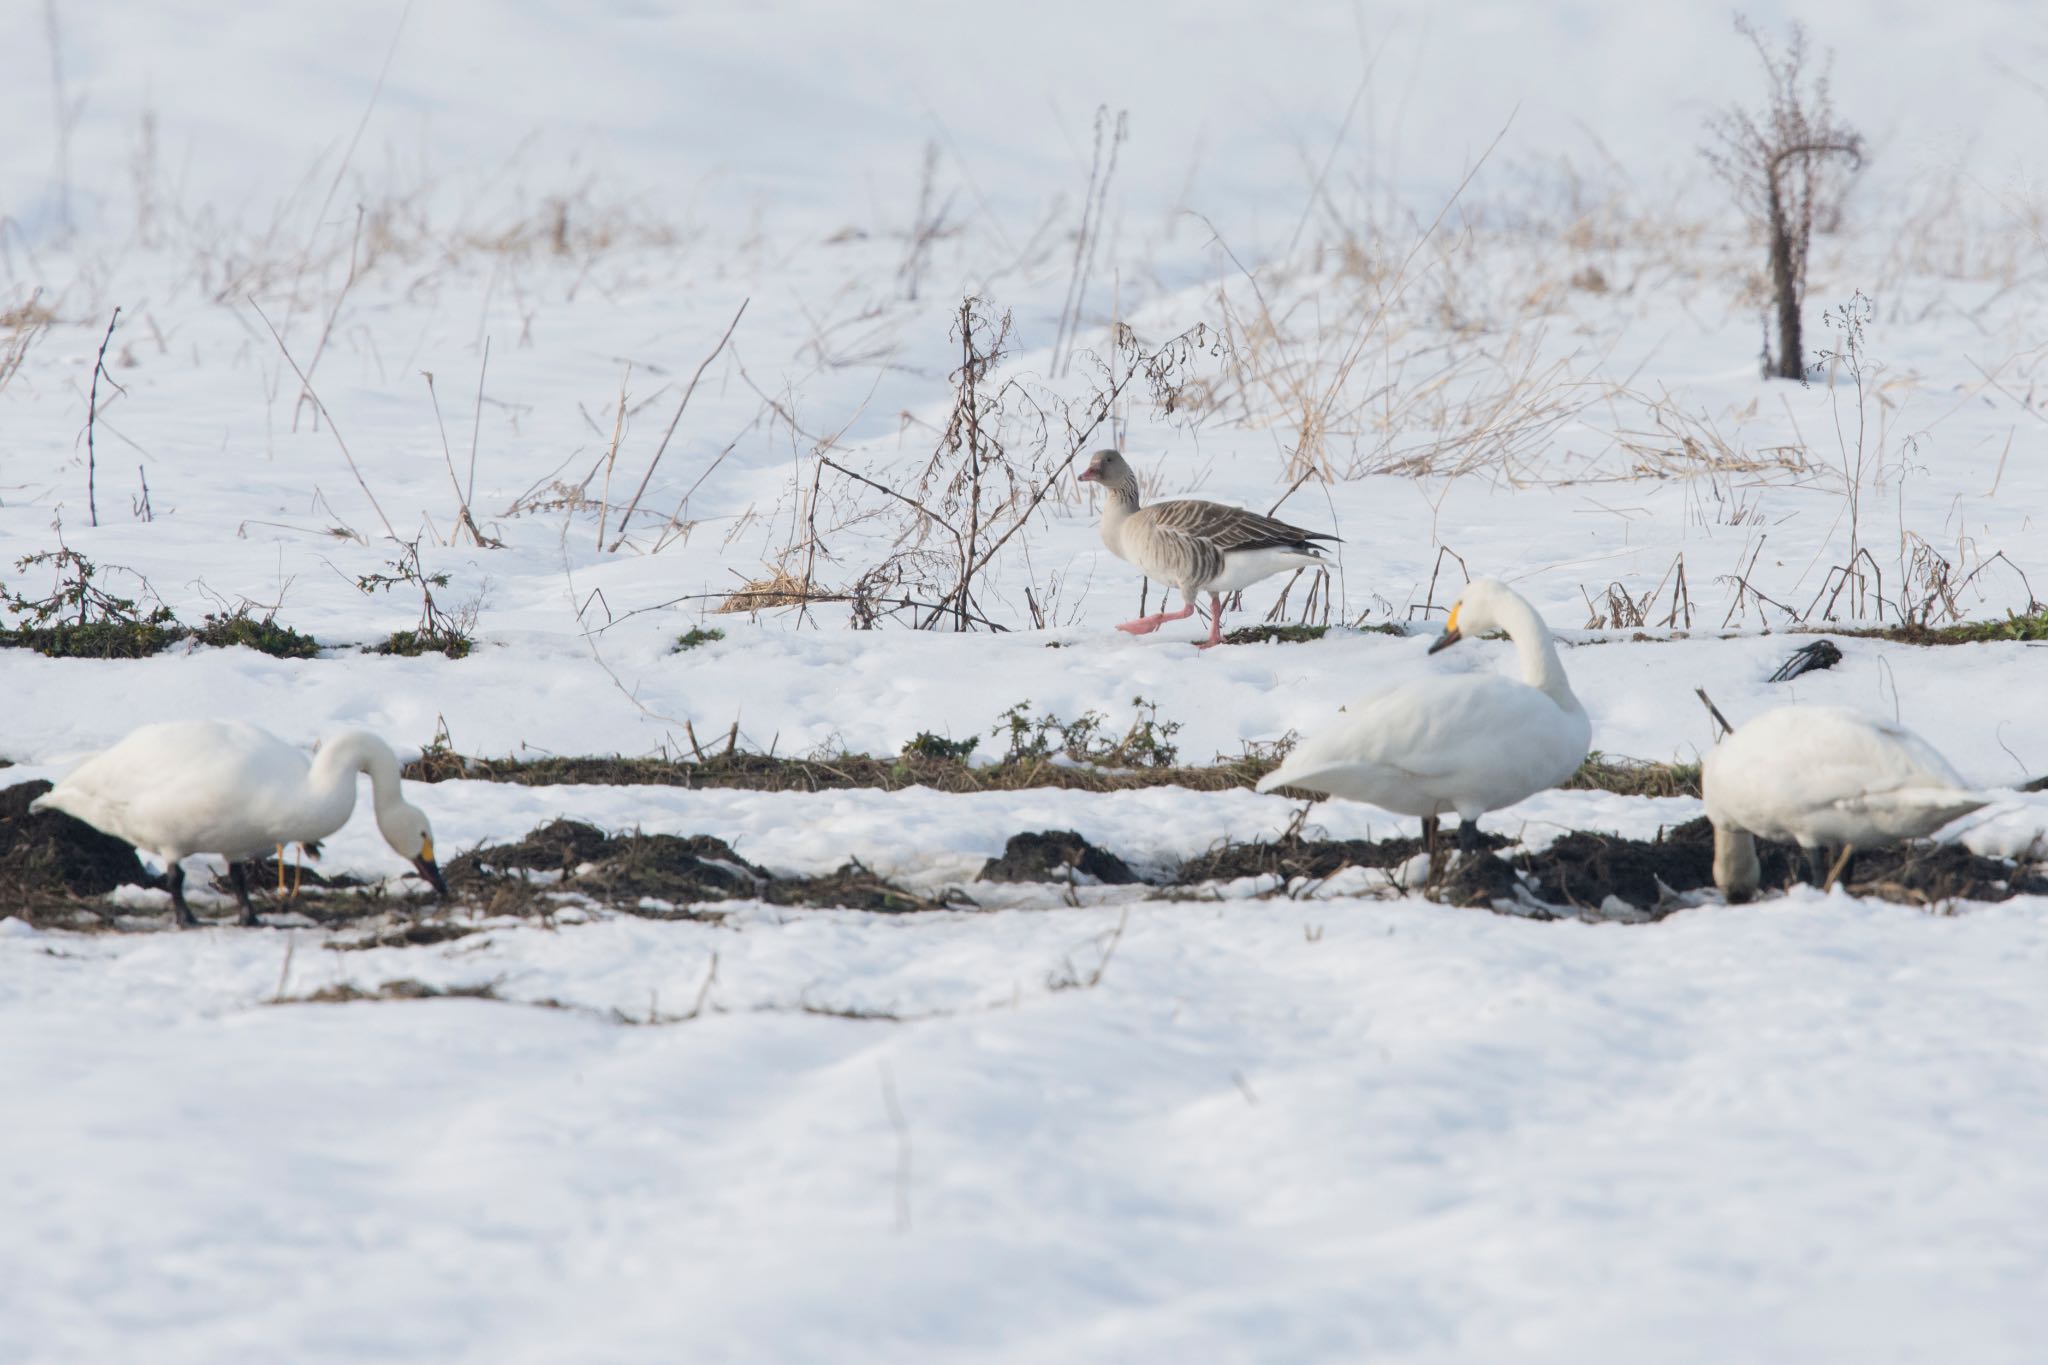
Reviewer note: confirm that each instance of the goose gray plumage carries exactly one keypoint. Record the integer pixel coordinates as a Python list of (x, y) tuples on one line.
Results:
[(1196, 546)]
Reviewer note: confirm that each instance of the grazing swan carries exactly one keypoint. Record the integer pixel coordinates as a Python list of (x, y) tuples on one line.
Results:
[(1198, 547), (1470, 742), (1822, 776), (226, 787)]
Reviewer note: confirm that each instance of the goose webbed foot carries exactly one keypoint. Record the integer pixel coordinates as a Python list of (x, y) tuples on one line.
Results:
[(1145, 625)]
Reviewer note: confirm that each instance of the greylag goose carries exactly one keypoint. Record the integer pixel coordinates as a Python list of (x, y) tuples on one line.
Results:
[(227, 787), (1820, 777), (1196, 546), (1469, 742)]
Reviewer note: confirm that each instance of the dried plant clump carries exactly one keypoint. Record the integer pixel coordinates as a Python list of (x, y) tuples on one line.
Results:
[(780, 588)]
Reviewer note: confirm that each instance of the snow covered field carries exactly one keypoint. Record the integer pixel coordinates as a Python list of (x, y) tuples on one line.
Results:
[(705, 263)]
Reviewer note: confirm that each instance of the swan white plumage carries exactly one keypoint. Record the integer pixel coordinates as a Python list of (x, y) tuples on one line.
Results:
[(1469, 743), (1823, 776), (226, 787)]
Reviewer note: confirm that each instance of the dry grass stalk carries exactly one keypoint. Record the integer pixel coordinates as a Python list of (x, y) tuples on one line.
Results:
[(780, 588)]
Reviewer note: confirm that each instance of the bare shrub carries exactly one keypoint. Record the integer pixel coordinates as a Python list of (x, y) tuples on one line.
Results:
[(1789, 165), (1002, 453)]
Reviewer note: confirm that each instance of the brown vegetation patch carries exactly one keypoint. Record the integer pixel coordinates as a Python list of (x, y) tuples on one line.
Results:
[(779, 589), (839, 772), (1626, 776)]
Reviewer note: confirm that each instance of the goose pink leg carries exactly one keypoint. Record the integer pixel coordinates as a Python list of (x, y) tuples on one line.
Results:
[(1145, 625), (1215, 623)]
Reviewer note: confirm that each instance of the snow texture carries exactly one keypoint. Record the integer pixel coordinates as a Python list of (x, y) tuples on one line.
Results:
[(1238, 1127)]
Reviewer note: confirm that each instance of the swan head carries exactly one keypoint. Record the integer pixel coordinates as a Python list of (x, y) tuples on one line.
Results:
[(1480, 609), (1736, 870), (1112, 471), (404, 827)]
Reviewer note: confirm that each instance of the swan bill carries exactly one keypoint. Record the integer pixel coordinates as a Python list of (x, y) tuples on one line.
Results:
[(1451, 633), (428, 868), (433, 876)]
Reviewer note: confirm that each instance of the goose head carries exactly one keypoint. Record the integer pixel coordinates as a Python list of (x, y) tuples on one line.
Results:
[(1485, 606), (1112, 471), (404, 827)]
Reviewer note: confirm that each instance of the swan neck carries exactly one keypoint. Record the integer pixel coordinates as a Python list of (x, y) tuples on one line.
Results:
[(341, 757), (1736, 870), (1541, 668)]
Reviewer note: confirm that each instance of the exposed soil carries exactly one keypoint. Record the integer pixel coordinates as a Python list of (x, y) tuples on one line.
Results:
[(624, 870), (1315, 858), (48, 854), (1055, 855), (1580, 871), (614, 868), (1476, 881)]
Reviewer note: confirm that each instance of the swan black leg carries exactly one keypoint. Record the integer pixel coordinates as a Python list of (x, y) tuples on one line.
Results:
[(174, 878), (1468, 835), (1817, 864), (238, 877)]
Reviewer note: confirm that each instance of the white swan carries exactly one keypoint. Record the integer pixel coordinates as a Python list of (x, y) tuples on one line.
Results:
[(1469, 743), (1198, 547), (1822, 776), (226, 787)]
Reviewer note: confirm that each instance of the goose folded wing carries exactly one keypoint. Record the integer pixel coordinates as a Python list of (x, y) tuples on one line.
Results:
[(1233, 528), (1170, 554)]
